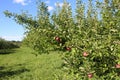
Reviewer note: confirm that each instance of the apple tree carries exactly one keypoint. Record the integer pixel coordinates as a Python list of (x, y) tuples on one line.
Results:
[(89, 38)]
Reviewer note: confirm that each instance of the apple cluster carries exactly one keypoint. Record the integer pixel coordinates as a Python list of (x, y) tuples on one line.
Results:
[(59, 40)]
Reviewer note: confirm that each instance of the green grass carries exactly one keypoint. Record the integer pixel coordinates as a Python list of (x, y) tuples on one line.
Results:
[(22, 64)]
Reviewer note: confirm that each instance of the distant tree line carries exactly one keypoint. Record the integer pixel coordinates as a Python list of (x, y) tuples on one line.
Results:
[(4, 44)]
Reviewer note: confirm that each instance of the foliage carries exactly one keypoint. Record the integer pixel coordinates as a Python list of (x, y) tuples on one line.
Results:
[(8, 44), (89, 39)]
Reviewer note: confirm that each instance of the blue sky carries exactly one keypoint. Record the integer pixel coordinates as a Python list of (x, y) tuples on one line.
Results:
[(9, 29)]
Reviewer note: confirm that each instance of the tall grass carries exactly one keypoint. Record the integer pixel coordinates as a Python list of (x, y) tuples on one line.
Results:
[(22, 64)]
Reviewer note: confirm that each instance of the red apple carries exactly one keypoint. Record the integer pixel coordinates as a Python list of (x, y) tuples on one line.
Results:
[(90, 75), (68, 48), (117, 65), (57, 39), (85, 54)]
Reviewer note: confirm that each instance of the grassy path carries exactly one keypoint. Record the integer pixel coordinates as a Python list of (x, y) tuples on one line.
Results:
[(22, 64)]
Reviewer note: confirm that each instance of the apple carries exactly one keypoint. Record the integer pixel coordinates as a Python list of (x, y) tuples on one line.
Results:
[(85, 54), (90, 75), (57, 39), (68, 48), (117, 65)]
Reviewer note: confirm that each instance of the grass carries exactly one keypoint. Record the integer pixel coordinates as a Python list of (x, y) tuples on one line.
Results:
[(22, 64)]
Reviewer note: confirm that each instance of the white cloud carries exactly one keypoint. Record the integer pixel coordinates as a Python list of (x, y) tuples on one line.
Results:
[(50, 8), (47, 2), (16, 38), (59, 4), (22, 2)]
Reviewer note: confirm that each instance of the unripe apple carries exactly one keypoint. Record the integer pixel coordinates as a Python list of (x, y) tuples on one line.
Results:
[(90, 75), (85, 54)]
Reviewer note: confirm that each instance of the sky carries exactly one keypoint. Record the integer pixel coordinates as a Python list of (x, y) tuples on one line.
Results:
[(9, 29)]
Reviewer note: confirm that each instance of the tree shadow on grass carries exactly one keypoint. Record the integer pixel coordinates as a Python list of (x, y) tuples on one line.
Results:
[(2, 67), (12, 72), (6, 51)]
